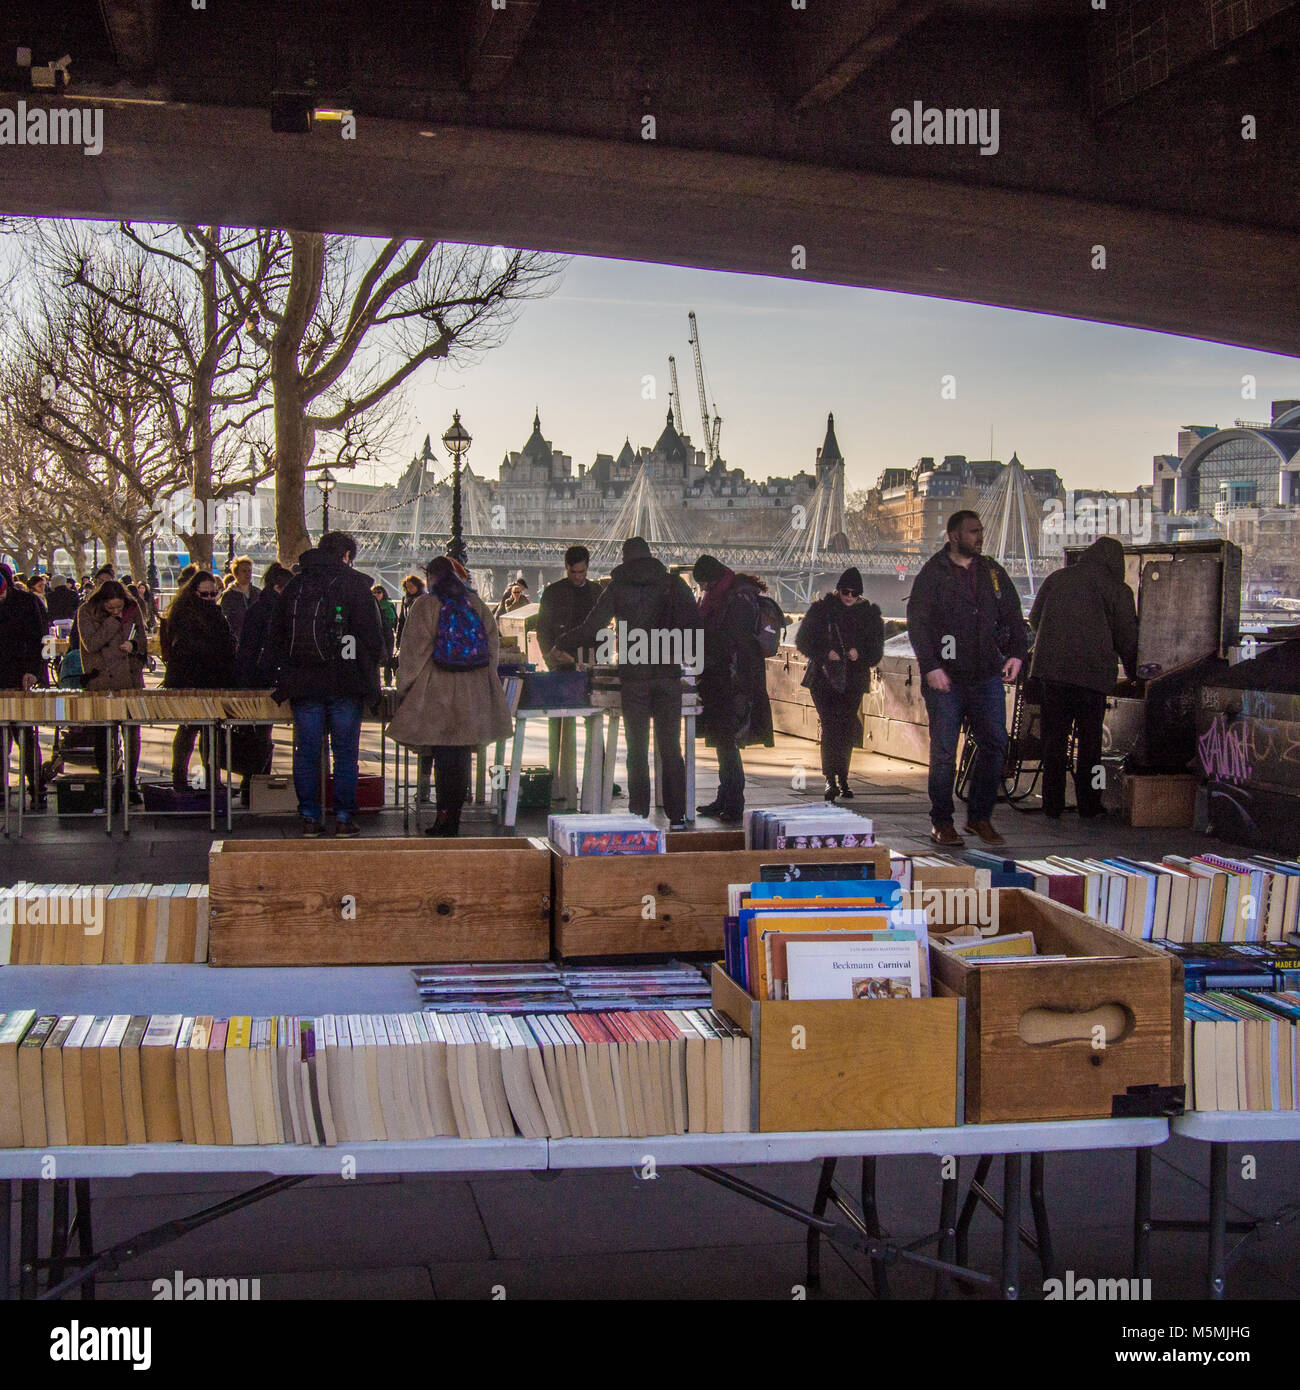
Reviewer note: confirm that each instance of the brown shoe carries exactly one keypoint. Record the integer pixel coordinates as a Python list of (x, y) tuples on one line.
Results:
[(984, 829), (945, 835)]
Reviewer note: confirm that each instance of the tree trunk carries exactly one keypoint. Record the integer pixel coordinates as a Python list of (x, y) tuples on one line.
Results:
[(293, 440), (108, 539), (136, 554), (201, 545)]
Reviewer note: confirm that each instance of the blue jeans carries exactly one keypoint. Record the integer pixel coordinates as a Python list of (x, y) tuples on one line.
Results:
[(984, 704), (342, 717)]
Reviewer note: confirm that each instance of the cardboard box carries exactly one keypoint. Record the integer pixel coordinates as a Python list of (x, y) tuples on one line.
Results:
[(636, 904), (273, 795), (1160, 800), (860, 1064), (378, 902), (1031, 1049)]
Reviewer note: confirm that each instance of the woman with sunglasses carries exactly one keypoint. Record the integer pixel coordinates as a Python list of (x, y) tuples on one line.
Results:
[(114, 653), (843, 637), (199, 650)]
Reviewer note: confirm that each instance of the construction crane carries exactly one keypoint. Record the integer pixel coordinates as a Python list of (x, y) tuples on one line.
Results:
[(712, 429), (674, 394)]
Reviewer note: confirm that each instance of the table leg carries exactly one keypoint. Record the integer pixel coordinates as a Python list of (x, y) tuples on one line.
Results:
[(1042, 1229), (5, 734), (568, 761), (611, 759), (516, 768), (947, 1232), (658, 801), (29, 1197), (593, 772), (690, 767), (230, 800), (871, 1220), (813, 1275), (406, 793), (1142, 1215), (85, 1236), (6, 1208), (126, 776), (969, 1208), (1218, 1225), (110, 771), (22, 763), (480, 774), (214, 767), (58, 1234), (1011, 1175)]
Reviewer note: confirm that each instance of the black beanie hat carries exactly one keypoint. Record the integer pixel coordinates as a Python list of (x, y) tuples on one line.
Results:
[(635, 548), (708, 570), (850, 580)]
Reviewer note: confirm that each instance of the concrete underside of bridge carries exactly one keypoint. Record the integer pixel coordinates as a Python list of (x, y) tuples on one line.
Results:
[(522, 125)]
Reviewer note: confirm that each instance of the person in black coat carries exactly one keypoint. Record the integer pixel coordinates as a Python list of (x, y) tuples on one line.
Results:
[(1085, 623), (843, 637), (200, 655), (253, 747), (62, 600), (733, 683), (23, 625)]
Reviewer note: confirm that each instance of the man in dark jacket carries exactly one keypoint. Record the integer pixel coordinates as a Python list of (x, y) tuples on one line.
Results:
[(23, 625), (733, 684), (968, 633), (253, 747), (1084, 621), (657, 617), (565, 605), (327, 643)]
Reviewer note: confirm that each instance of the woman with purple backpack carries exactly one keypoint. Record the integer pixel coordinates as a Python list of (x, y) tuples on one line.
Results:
[(450, 699)]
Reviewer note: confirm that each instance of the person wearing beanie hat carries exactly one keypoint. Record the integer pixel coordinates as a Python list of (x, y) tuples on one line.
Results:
[(733, 684), (843, 637), (644, 599)]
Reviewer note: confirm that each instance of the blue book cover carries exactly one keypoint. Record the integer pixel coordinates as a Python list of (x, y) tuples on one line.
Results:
[(886, 890)]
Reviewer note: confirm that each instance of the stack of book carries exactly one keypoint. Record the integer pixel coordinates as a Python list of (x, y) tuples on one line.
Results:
[(104, 924), (124, 1079), (826, 939), (1242, 1050), (55, 704), (821, 825), (599, 835), (544, 987)]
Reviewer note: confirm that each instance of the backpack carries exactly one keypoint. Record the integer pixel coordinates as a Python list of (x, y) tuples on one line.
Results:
[(769, 624), (317, 619), (461, 643)]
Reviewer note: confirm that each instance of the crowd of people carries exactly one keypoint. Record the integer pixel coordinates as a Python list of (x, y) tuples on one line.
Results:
[(322, 636)]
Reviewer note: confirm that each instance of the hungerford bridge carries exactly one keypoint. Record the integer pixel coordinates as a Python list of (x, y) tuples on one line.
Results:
[(817, 545)]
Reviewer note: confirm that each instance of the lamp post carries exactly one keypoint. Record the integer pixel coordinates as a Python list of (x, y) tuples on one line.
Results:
[(456, 441), (151, 575), (326, 485)]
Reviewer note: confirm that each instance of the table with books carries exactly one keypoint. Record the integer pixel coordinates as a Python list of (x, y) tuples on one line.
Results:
[(23, 711)]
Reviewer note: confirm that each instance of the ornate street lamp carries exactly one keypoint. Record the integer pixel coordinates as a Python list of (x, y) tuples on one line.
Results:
[(456, 441), (326, 485), (151, 575)]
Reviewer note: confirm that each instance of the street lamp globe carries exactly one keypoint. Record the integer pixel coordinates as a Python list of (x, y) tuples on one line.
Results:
[(456, 441)]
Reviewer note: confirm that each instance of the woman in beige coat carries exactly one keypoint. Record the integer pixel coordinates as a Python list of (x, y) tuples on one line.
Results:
[(447, 713), (114, 653)]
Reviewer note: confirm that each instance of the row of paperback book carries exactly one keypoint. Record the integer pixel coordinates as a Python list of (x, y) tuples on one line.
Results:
[(59, 704), (1242, 1050), (586, 835), (135, 1079), (818, 825), (1205, 897), (537, 987), (104, 924)]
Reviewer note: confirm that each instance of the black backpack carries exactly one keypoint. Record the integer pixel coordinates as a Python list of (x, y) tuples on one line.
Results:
[(317, 618), (769, 625)]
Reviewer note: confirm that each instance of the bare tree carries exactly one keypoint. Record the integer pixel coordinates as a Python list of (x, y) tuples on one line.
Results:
[(349, 327), (207, 375)]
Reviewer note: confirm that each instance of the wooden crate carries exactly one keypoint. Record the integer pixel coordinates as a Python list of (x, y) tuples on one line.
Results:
[(1009, 1078), (375, 902), (1168, 800), (862, 1064), (601, 906)]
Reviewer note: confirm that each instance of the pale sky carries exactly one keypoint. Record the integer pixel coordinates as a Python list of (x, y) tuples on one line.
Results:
[(1093, 401)]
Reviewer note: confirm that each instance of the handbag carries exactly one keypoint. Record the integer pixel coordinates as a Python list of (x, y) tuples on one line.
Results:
[(836, 673)]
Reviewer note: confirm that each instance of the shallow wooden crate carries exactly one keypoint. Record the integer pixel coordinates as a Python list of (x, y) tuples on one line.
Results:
[(377, 902), (1009, 1078), (601, 906), (849, 1063)]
